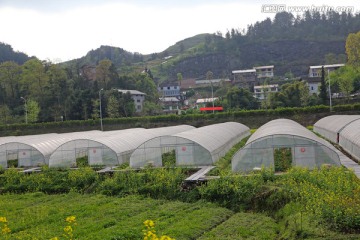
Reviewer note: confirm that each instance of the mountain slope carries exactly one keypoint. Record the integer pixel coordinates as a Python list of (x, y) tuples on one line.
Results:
[(7, 53), (290, 43)]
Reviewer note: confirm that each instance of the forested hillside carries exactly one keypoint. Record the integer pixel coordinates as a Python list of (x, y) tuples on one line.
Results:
[(289, 42), (7, 53), (72, 90)]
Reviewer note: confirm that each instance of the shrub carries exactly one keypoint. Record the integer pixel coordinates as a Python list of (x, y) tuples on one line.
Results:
[(82, 178)]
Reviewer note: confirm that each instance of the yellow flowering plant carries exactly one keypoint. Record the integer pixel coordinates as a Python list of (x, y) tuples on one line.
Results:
[(150, 232), (5, 230)]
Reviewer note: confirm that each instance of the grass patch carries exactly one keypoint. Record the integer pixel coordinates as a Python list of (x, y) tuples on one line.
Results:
[(40, 216), (244, 226), (223, 165)]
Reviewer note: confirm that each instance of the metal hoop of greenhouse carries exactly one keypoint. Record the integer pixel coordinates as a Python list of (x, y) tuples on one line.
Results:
[(196, 147), (342, 129), (109, 149), (281, 142)]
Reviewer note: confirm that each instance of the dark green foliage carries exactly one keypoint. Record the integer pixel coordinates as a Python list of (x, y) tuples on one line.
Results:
[(282, 159), (12, 163), (251, 118), (240, 98), (323, 91), (328, 195), (8, 54), (82, 162), (169, 159)]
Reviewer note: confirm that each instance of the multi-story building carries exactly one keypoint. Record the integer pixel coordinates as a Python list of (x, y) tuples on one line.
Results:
[(249, 77), (244, 78), (169, 90), (315, 71), (314, 77), (261, 92), (264, 71), (137, 96)]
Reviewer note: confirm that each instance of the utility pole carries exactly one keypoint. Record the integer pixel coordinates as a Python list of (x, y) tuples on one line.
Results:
[(330, 90), (101, 122), (212, 95)]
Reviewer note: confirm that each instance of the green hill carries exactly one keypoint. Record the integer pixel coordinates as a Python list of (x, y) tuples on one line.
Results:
[(7, 53), (290, 43)]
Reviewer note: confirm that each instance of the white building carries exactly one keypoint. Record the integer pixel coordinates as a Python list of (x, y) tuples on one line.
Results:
[(169, 90), (201, 102), (315, 71), (170, 104), (314, 85), (137, 96), (212, 81), (260, 92), (264, 71)]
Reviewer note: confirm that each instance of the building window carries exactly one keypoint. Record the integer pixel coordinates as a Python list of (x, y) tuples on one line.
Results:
[(312, 87), (175, 87), (139, 107), (168, 88), (138, 100)]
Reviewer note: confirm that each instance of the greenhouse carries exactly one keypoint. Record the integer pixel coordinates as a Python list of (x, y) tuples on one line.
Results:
[(34, 150), (350, 139), (331, 126), (107, 150), (196, 147), (283, 143), (341, 129)]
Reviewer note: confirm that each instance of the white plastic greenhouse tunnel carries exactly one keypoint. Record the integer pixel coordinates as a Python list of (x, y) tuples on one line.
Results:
[(109, 149), (196, 147), (284, 140), (33, 150), (343, 130)]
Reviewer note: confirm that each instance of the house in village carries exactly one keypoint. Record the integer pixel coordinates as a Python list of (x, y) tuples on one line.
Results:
[(261, 92), (314, 77), (170, 97), (137, 96), (251, 77)]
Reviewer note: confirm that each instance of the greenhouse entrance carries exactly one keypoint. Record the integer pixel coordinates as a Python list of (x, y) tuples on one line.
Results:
[(282, 159)]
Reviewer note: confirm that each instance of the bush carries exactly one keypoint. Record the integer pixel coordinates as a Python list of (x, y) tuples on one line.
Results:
[(82, 179), (331, 194)]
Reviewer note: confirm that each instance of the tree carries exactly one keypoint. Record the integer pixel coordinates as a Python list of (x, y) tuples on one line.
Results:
[(33, 110), (34, 78), (145, 84), (10, 73), (294, 94), (345, 78), (209, 75), (112, 109), (179, 78), (103, 73), (353, 49), (151, 108), (240, 98), (96, 109), (58, 91), (5, 114), (323, 92)]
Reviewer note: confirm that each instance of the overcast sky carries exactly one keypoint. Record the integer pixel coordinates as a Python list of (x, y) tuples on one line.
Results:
[(60, 30)]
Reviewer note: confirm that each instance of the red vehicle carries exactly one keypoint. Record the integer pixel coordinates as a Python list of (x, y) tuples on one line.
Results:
[(211, 109)]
